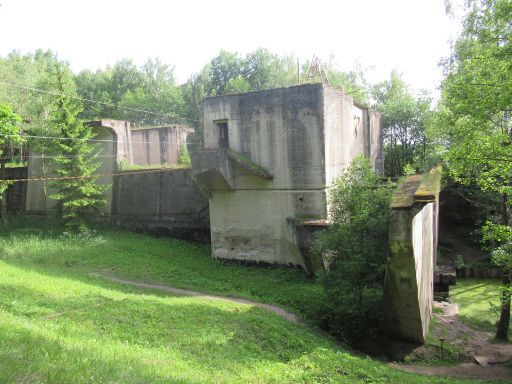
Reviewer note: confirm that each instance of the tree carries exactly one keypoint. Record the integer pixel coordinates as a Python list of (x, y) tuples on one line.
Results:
[(353, 82), (10, 133), (157, 92), (355, 245), (475, 121), (403, 119), (28, 71), (78, 193)]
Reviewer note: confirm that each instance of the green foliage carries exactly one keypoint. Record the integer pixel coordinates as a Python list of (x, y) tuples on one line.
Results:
[(10, 134), (183, 156), (30, 70), (355, 247), (474, 119), (151, 87), (476, 101), (409, 170), (404, 118), (459, 261), (10, 128), (237, 85), (78, 193), (353, 82)]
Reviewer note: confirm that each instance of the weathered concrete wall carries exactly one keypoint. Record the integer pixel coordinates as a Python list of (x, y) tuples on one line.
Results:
[(375, 141), (158, 145), (301, 137), (166, 202), (408, 287), (281, 131), (163, 202)]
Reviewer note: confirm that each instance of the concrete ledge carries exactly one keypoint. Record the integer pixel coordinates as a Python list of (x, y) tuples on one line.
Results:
[(417, 189), (248, 165), (215, 168)]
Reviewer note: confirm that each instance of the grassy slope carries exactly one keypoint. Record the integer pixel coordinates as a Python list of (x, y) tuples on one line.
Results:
[(176, 263), (474, 297), (58, 324)]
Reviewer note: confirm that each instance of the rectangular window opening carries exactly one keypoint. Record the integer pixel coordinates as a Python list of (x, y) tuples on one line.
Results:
[(223, 134)]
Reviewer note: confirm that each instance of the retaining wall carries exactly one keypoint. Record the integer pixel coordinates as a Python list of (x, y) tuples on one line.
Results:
[(413, 233), (163, 202)]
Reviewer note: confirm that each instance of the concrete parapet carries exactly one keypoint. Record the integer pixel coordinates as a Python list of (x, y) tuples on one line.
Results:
[(212, 169), (217, 169), (413, 233)]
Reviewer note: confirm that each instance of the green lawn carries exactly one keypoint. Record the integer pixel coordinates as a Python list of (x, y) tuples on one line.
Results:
[(59, 324), (474, 297)]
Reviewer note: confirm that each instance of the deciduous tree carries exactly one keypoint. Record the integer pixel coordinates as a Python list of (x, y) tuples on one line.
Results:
[(475, 120), (10, 133), (355, 246)]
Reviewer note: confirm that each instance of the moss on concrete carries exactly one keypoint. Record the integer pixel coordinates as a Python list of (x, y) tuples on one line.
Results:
[(417, 188), (249, 165), (429, 186)]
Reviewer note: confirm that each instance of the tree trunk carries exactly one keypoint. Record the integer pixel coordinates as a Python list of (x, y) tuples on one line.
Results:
[(3, 202), (504, 321)]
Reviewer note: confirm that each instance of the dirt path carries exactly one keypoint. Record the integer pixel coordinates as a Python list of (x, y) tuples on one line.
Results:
[(488, 357), (462, 371), (187, 292), (472, 342)]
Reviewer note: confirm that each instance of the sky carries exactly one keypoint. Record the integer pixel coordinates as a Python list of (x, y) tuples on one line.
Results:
[(408, 35)]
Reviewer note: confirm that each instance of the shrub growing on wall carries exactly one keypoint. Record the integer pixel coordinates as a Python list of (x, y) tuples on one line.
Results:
[(355, 251)]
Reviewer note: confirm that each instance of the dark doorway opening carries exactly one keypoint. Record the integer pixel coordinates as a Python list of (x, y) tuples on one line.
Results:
[(223, 135)]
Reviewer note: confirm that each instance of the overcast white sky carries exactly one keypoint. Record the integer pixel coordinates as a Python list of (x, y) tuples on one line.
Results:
[(410, 35)]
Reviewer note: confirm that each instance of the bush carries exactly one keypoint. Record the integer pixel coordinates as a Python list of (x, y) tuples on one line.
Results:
[(355, 250), (183, 155)]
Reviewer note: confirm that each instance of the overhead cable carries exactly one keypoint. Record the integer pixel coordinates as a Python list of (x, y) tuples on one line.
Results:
[(95, 140), (95, 101), (119, 173)]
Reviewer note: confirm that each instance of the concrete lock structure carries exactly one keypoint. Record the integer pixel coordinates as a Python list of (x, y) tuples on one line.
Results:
[(262, 178), (268, 160)]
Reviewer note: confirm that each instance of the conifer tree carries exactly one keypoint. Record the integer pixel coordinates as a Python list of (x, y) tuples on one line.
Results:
[(78, 193)]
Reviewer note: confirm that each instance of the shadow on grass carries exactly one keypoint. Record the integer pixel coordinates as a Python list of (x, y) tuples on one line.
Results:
[(172, 262), (31, 355)]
